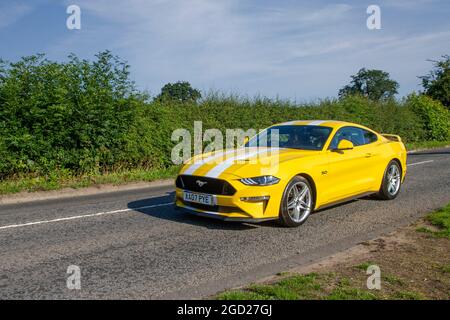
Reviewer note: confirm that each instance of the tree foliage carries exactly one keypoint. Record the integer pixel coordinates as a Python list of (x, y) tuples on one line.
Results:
[(437, 83), (435, 119), (180, 91), (82, 117), (71, 115), (373, 84)]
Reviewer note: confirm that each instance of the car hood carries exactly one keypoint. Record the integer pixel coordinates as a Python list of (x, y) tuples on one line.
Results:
[(243, 162)]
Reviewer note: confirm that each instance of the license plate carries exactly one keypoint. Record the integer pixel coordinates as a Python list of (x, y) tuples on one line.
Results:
[(202, 198)]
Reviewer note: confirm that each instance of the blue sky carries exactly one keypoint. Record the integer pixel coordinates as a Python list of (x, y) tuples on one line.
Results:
[(301, 50)]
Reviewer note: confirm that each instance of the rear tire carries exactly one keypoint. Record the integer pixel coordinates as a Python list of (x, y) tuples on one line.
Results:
[(297, 202), (392, 181)]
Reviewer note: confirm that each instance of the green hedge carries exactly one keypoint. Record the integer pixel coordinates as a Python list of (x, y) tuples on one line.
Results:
[(433, 115), (84, 117)]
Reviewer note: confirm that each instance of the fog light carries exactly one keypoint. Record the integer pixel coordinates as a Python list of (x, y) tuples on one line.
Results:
[(255, 199)]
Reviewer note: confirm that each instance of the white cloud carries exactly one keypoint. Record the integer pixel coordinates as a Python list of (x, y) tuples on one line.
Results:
[(284, 48), (407, 4), (215, 38), (12, 12)]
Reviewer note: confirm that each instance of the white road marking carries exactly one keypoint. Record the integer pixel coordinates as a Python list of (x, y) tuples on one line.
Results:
[(81, 216), (421, 162)]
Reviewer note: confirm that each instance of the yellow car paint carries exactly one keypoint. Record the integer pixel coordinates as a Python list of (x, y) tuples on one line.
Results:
[(334, 176)]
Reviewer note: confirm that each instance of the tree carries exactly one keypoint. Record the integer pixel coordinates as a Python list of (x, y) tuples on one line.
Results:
[(373, 84), (180, 91), (437, 83)]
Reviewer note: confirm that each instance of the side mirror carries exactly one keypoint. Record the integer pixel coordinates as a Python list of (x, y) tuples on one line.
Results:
[(246, 139), (344, 145)]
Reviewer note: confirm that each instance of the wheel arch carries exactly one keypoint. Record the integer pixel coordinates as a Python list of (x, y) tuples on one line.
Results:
[(387, 165), (399, 163)]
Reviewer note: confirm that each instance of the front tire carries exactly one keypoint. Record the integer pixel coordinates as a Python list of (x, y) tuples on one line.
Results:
[(297, 202), (392, 180)]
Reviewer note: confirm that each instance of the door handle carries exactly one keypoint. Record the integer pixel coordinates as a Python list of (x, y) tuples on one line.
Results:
[(368, 155)]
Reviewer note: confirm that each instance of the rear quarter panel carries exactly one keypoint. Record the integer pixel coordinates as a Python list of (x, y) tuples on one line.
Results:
[(390, 150)]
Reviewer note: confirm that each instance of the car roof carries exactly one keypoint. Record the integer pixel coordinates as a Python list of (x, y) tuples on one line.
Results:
[(324, 123)]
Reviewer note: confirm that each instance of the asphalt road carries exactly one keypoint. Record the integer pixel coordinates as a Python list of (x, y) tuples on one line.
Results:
[(133, 244)]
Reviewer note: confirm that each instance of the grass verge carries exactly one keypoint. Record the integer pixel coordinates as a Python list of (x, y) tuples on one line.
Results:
[(60, 180), (440, 221), (413, 265)]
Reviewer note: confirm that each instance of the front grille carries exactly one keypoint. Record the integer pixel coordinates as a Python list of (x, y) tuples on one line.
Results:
[(212, 186)]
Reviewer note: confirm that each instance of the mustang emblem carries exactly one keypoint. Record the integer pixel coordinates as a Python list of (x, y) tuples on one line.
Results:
[(200, 183)]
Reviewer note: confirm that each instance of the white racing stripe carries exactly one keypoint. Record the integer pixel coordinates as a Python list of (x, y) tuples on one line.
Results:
[(217, 170), (81, 216), (316, 123), (289, 123), (421, 162), (198, 164)]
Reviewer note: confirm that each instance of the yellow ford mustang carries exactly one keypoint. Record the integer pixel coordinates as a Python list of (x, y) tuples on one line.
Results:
[(291, 169)]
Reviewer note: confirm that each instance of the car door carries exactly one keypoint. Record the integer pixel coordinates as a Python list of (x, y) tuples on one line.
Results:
[(346, 172)]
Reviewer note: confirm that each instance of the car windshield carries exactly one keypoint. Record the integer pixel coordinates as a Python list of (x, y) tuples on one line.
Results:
[(291, 136)]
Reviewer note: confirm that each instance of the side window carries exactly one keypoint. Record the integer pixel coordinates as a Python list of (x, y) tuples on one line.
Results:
[(369, 137), (353, 134)]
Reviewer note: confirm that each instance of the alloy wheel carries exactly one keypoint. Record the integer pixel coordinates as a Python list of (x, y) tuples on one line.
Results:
[(299, 202), (393, 177)]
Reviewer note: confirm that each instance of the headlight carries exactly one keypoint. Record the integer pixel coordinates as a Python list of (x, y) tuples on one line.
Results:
[(260, 181)]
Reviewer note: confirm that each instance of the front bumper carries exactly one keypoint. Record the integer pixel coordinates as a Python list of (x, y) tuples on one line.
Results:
[(240, 206), (223, 217)]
